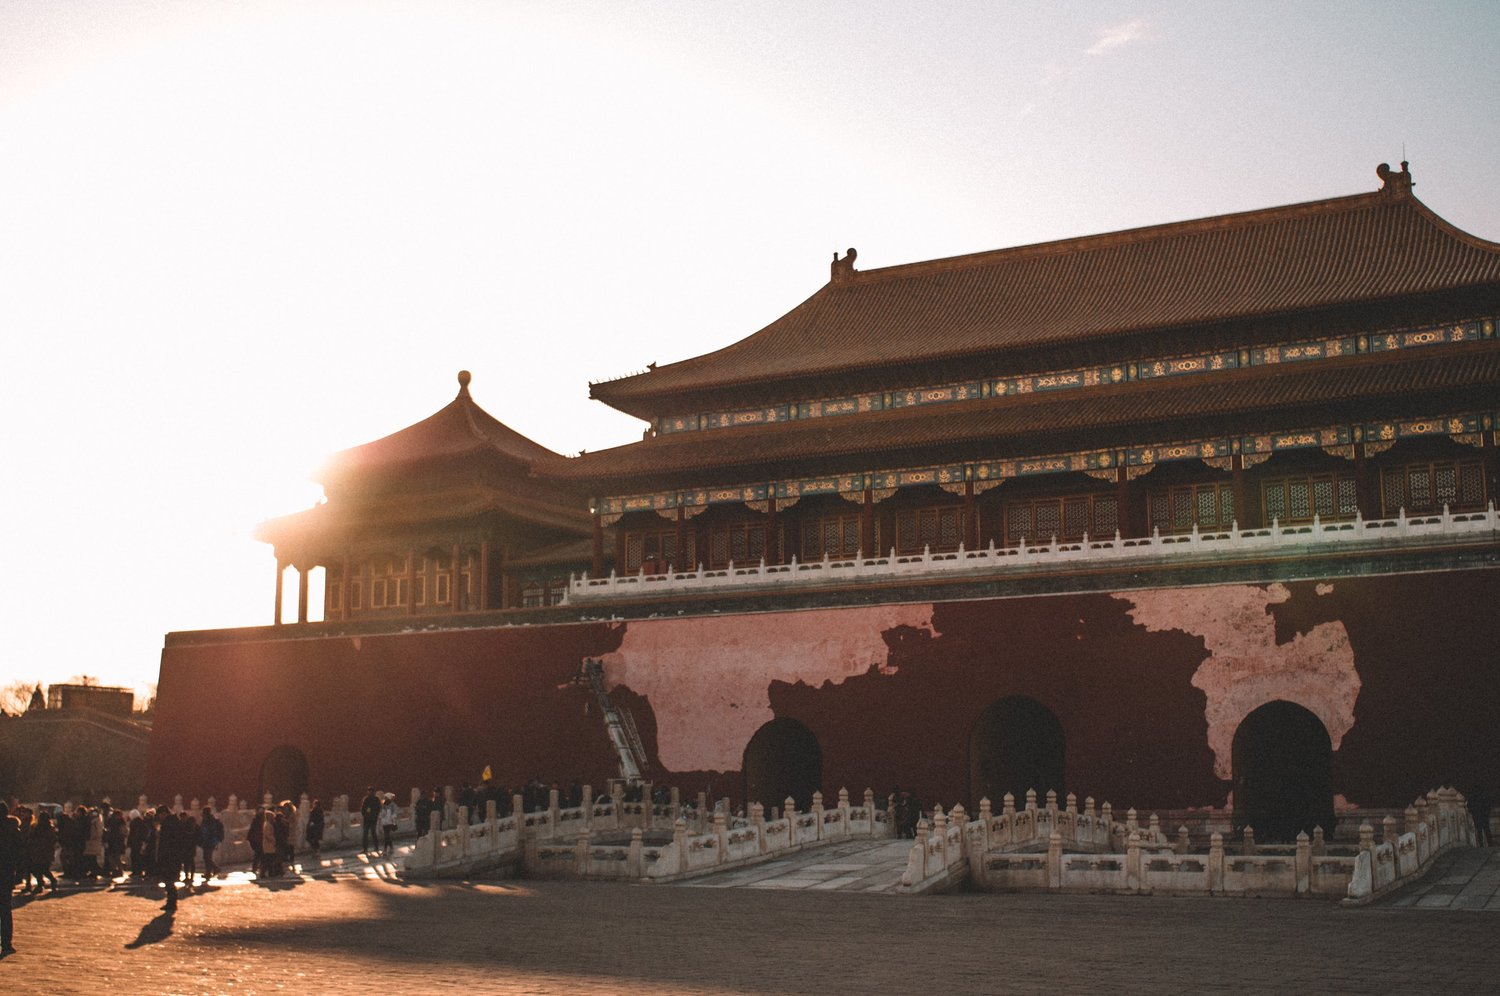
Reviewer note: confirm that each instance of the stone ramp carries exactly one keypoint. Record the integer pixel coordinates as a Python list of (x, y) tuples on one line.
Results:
[(1466, 878), (855, 866)]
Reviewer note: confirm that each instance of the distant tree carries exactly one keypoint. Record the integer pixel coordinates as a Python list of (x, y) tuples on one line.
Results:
[(15, 696)]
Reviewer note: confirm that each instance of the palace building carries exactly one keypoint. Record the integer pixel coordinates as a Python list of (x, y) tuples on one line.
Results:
[(1179, 516)]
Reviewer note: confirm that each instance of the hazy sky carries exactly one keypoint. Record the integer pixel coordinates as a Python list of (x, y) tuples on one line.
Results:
[(236, 237)]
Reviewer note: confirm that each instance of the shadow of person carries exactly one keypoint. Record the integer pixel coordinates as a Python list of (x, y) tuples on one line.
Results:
[(158, 930)]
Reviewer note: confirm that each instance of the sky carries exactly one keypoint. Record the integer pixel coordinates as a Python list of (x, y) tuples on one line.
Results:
[(238, 237)]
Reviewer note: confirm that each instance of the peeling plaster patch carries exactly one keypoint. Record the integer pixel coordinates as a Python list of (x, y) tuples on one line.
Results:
[(1324, 588), (1246, 667), (708, 679)]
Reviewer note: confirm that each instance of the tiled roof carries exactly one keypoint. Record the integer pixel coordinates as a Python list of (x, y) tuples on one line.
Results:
[(1352, 389), (461, 428), (1316, 255)]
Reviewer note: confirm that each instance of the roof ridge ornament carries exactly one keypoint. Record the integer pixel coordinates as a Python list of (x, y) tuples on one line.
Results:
[(463, 383), (842, 269), (1395, 184)]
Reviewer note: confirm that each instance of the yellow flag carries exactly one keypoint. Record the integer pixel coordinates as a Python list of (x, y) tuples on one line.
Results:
[(486, 776)]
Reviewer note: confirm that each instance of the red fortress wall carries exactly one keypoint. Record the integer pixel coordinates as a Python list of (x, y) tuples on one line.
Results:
[(1149, 687)]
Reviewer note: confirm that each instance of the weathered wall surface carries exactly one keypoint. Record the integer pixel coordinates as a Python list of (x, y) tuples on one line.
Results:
[(1149, 687)]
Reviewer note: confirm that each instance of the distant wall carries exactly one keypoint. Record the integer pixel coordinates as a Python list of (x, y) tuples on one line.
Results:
[(1149, 687), (77, 755)]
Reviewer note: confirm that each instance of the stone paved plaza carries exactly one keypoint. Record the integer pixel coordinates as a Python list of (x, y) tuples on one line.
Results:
[(352, 930)]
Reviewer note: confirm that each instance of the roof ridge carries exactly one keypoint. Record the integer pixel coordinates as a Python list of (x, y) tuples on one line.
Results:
[(1135, 236)]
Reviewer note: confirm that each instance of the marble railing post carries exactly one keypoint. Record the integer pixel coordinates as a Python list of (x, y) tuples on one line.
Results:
[(1133, 861), (817, 811), (1247, 842), (701, 816), (1388, 830), (1318, 847), (721, 831), (676, 803), (581, 854), (986, 818), (870, 809), (635, 860), (1304, 864), (1216, 864), (553, 809), (1054, 861), (844, 812), (588, 806), (758, 821), (789, 812), (1184, 842)]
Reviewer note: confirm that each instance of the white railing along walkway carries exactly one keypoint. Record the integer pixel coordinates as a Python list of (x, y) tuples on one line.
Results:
[(1447, 527)]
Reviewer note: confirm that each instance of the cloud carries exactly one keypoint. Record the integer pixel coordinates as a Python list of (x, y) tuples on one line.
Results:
[(1114, 37)]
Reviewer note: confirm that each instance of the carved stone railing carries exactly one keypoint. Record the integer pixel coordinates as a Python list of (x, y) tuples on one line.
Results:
[(1433, 824), (1024, 558), (951, 848), (1052, 850), (564, 843)]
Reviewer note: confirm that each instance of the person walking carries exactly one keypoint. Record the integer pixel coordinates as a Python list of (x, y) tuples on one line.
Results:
[(41, 846), (315, 821), (10, 865), (388, 817), (210, 836), (369, 821)]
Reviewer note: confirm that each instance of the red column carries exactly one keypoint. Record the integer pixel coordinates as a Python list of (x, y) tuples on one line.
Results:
[(1237, 468), (867, 526), (971, 521), (411, 581), (596, 567), (1365, 494), (679, 537), (1491, 468), (276, 616), (484, 574), (302, 594), (773, 547), (1123, 519), (454, 578)]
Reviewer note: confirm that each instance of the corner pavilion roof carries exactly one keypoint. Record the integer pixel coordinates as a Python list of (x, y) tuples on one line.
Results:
[(1319, 254), (459, 429)]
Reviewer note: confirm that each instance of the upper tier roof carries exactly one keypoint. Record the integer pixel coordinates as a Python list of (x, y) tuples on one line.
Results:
[(1315, 255), (1253, 399), (461, 428)]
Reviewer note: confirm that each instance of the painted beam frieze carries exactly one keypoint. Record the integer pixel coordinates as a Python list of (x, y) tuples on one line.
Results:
[(1339, 440), (1136, 370)]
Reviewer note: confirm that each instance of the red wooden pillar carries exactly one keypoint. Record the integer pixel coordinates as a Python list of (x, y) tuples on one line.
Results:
[(1124, 521), (773, 547), (1366, 495), (867, 526), (596, 565), (453, 578), (411, 581), (679, 540), (1237, 468), (302, 594), (1491, 467), (484, 574), (971, 521), (280, 580)]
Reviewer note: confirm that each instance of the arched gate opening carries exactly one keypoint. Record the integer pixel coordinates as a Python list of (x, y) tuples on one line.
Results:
[(782, 759), (283, 774), (1017, 744), (1283, 773)]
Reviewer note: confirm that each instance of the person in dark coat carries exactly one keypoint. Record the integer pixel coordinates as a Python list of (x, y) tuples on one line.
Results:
[(172, 840), (114, 842), (138, 840), (369, 821), (10, 866), (210, 836), (41, 846), (254, 837), (316, 820), (422, 814)]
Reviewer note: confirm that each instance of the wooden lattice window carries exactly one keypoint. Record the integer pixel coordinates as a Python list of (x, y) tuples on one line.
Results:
[(655, 550), (1424, 488), (1067, 518), (1298, 499), (937, 529), (833, 535), (1209, 506), (737, 542)]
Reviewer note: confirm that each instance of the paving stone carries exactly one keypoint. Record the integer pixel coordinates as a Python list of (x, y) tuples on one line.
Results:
[(315, 934)]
